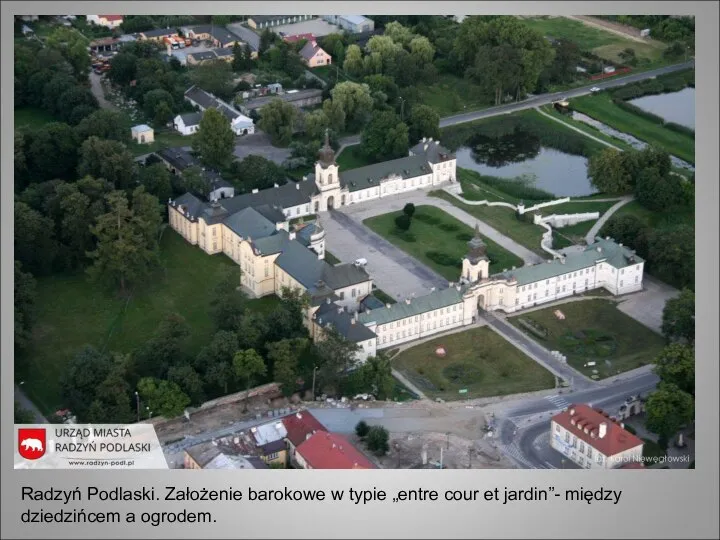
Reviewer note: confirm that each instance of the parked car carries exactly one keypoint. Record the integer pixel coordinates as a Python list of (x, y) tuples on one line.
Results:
[(361, 262), (594, 89)]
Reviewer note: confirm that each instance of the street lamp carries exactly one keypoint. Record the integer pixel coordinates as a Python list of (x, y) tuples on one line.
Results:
[(137, 402), (149, 412)]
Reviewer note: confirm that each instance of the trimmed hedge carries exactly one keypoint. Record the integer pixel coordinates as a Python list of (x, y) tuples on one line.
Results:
[(672, 126), (443, 259), (534, 328)]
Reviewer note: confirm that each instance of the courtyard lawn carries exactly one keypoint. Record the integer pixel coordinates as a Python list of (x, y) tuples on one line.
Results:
[(593, 331), (603, 43), (601, 108), (32, 118), (352, 158), (331, 259), (163, 139), (478, 360), (73, 312), (439, 240), (451, 95)]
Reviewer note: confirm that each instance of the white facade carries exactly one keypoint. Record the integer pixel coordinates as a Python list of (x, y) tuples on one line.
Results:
[(105, 20), (184, 129), (586, 455), (242, 125)]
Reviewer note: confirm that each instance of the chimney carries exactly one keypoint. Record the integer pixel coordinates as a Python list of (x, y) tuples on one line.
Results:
[(292, 235), (340, 310), (407, 301), (432, 289), (304, 178), (572, 411), (298, 416), (599, 249), (255, 190), (297, 186), (327, 300), (425, 146), (387, 306), (602, 431), (430, 139), (424, 139)]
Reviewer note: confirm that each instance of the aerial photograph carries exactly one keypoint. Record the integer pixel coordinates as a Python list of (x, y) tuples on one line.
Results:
[(360, 241)]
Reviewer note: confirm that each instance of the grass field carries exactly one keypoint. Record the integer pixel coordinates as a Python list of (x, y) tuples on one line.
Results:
[(601, 108), (351, 158), (73, 312), (332, 74), (600, 42), (452, 94), (595, 331), (478, 360), (163, 139), (32, 118), (424, 238), (655, 219)]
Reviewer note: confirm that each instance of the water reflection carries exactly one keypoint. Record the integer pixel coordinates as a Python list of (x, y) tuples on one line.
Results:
[(677, 107), (626, 138), (501, 151)]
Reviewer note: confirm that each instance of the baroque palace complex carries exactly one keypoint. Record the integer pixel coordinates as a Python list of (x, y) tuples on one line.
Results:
[(254, 231)]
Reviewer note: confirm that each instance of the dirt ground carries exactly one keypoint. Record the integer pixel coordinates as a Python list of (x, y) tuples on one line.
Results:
[(423, 450), (616, 28)]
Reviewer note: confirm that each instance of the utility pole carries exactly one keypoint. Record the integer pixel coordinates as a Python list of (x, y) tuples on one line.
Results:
[(137, 402), (313, 385)]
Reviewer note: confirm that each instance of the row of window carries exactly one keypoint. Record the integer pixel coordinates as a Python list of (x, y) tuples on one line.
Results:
[(422, 317), (582, 448), (388, 338)]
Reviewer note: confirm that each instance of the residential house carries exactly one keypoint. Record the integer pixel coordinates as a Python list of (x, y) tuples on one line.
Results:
[(591, 439), (197, 58), (108, 44), (299, 37), (239, 123), (330, 451), (260, 22), (219, 36), (355, 24), (178, 160), (142, 134), (108, 21), (158, 34), (214, 455), (300, 427), (249, 37), (298, 98), (224, 54), (188, 123), (314, 56)]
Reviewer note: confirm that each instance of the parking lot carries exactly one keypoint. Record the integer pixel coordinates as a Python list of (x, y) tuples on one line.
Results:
[(317, 27)]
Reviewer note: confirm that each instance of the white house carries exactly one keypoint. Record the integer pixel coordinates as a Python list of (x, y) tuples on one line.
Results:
[(591, 439), (240, 124), (108, 21), (187, 124), (142, 134)]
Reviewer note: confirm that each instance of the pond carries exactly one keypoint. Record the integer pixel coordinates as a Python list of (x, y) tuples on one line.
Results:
[(677, 107), (626, 138), (521, 156)]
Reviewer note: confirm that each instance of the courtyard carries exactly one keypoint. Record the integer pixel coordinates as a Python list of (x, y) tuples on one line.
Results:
[(439, 241), (598, 338), (478, 361)]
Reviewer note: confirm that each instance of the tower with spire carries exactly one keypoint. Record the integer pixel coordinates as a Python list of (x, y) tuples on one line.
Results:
[(476, 264), (327, 176)]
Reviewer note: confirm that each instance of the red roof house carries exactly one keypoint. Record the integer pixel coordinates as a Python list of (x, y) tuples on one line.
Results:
[(330, 451), (301, 426), (597, 429), (299, 37), (111, 18)]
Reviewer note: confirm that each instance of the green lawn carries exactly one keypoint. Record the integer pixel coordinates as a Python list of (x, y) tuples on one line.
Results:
[(478, 360), (427, 237), (654, 219), (452, 94), (32, 118), (352, 158), (383, 296), (331, 259), (594, 331), (603, 43), (163, 139), (567, 119), (73, 312), (601, 108), (332, 74)]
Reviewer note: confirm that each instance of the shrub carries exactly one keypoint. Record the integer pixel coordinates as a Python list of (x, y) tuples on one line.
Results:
[(377, 440), (403, 222), (629, 107), (464, 237), (443, 259), (534, 328), (362, 429), (426, 218), (672, 126), (449, 227), (630, 429), (409, 210)]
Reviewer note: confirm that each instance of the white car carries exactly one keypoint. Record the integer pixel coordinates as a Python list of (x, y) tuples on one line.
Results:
[(594, 89)]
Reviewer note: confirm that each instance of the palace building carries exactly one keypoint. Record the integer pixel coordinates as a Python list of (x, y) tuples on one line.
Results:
[(254, 230)]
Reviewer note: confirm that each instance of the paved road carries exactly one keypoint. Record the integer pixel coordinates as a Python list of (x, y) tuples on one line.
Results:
[(258, 144), (28, 405), (593, 232), (545, 99), (97, 90), (647, 306)]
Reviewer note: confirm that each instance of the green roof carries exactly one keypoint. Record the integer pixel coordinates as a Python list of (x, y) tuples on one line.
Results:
[(402, 310), (603, 249), (371, 175)]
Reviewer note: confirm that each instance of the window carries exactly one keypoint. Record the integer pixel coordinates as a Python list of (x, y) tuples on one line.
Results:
[(567, 437), (547, 293), (622, 272), (636, 279), (621, 282), (582, 447), (267, 271), (599, 459), (272, 456), (586, 283), (352, 292), (534, 296), (342, 295), (589, 451), (535, 287), (215, 231), (557, 428), (214, 246)]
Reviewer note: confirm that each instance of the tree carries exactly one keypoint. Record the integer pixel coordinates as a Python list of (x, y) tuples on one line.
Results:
[(214, 77), (378, 373), (110, 160), (377, 440), (215, 360), (668, 409), (626, 229), (277, 119), (189, 381), (23, 416), (353, 62), (423, 122), (105, 124), (252, 330), (35, 245), (267, 38), (678, 322), (53, 152), (227, 303), (316, 122), (156, 179), (73, 46), (335, 115), (81, 379), (335, 356), (241, 58), (671, 251), (20, 162), (676, 365), (658, 192), (257, 172), (362, 429), (158, 105), (355, 101), (400, 34), (403, 222), (567, 57), (53, 89), (248, 365), (123, 68), (613, 172), (163, 398), (75, 104), (385, 137), (126, 244), (421, 50), (112, 402), (285, 358), (196, 181), (215, 140), (25, 299), (409, 210)]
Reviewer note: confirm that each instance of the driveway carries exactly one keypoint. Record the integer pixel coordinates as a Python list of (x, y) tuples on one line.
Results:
[(97, 91), (392, 270), (259, 144), (647, 305), (376, 207)]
